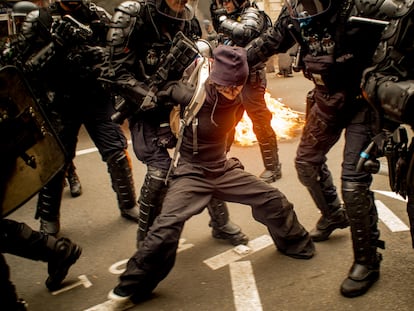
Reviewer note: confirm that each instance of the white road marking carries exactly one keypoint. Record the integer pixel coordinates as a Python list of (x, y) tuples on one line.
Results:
[(391, 195), (111, 305), (115, 268), (246, 295), (182, 246), (235, 254), (91, 150), (389, 218), (83, 280)]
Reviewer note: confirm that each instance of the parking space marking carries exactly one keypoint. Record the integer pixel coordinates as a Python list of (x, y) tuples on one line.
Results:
[(246, 295), (235, 254), (389, 218)]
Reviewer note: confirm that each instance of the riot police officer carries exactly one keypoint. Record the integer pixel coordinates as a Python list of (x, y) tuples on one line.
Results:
[(31, 155), (337, 40), (140, 40), (243, 22), (59, 44)]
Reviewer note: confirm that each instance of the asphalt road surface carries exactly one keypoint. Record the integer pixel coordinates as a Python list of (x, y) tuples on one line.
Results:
[(210, 274)]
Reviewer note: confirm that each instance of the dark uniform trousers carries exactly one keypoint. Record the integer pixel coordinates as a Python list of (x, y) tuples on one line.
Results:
[(191, 189)]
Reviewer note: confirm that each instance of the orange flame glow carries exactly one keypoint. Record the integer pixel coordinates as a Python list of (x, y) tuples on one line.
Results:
[(286, 122)]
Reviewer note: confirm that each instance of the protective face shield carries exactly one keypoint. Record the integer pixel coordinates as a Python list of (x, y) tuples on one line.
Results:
[(182, 10), (70, 5), (306, 10)]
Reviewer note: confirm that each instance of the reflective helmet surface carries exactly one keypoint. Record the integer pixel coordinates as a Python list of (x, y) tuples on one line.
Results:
[(19, 11), (21, 8), (177, 9), (305, 10)]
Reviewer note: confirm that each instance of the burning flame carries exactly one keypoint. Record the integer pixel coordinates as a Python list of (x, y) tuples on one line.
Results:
[(286, 122)]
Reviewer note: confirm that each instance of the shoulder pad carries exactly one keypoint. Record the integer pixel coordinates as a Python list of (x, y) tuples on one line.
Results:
[(132, 8)]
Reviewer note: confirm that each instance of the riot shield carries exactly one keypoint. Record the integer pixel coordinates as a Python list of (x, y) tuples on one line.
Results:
[(30, 152)]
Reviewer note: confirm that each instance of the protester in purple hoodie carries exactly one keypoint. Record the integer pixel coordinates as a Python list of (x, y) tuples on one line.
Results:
[(209, 173)]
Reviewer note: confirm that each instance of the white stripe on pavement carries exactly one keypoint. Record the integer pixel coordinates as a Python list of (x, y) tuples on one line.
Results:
[(389, 218), (90, 150), (391, 195), (246, 296), (238, 252)]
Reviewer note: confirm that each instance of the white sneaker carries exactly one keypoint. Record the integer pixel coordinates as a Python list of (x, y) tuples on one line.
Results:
[(119, 303)]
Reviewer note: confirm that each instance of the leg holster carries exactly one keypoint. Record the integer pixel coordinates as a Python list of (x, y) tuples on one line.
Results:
[(318, 180), (119, 168), (363, 218), (150, 201)]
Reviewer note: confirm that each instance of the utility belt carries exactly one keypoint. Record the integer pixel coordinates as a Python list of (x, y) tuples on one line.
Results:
[(326, 72)]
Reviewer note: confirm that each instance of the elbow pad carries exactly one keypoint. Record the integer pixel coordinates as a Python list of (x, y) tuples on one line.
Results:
[(123, 21), (397, 100), (237, 32), (257, 52)]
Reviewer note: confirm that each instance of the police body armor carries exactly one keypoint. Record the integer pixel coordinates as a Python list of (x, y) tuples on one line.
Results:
[(31, 153)]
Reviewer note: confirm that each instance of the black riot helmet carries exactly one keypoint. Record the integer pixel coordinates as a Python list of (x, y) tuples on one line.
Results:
[(19, 11), (183, 10), (307, 10)]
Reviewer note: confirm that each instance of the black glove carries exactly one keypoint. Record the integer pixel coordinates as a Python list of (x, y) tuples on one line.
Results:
[(95, 54), (64, 33), (176, 92)]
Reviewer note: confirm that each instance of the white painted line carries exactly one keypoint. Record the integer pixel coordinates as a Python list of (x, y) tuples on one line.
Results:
[(389, 218), (118, 267), (246, 296), (83, 280), (111, 305), (234, 254), (91, 150), (182, 246), (391, 195)]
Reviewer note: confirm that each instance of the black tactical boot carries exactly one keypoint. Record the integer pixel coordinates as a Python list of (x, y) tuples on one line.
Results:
[(119, 168), (270, 156), (223, 227), (363, 218), (318, 180), (65, 254), (48, 205), (270, 176), (73, 180), (360, 278), (326, 225)]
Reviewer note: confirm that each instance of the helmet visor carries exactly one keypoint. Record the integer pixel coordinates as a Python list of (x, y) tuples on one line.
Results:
[(183, 10), (306, 9)]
